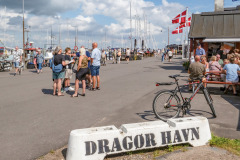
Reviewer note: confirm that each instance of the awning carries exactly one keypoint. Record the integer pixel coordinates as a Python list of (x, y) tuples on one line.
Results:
[(221, 40)]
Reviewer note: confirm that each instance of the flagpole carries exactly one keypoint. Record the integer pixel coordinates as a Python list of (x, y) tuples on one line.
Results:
[(168, 35), (187, 31)]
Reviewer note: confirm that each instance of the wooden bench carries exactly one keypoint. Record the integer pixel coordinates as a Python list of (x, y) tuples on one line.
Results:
[(218, 82)]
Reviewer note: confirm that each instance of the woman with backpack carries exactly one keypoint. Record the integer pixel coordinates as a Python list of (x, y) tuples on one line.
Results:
[(58, 70)]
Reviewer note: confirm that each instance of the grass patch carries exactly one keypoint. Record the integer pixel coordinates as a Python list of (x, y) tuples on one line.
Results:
[(52, 152), (231, 145)]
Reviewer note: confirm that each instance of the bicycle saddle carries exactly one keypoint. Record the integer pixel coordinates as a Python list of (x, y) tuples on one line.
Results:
[(174, 76)]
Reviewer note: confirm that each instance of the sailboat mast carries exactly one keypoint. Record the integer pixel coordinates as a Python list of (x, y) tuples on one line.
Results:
[(23, 36), (131, 23)]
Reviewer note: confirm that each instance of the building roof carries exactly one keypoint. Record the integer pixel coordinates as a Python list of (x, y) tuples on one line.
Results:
[(225, 24)]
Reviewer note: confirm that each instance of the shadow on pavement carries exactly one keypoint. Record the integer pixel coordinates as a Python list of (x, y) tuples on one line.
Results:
[(47, 91), (64, 153), (194, 112), (147, 115), (235, 102)]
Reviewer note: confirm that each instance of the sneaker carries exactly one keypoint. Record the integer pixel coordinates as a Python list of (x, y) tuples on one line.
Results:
[(71, 89), (62, 90)]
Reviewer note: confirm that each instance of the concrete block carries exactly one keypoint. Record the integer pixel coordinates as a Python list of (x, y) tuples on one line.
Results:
[(96, 143)]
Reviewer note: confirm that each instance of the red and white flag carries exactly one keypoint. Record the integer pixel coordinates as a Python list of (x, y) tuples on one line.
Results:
[(181, 18), (177, 31), (176, 19), (187, 24)]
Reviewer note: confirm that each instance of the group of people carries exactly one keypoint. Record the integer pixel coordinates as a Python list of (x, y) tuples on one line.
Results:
[(168, 54), (88, 66), (226, 65)]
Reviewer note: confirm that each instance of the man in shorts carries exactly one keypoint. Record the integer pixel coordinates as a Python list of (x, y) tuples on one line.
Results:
[(17, 60), (95, 66), (127, 55), (170, 55)]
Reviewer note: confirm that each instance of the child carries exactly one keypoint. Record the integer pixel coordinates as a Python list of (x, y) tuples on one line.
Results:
[(223, 75)]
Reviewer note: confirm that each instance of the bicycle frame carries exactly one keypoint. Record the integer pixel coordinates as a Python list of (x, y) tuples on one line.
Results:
[(187, 100)]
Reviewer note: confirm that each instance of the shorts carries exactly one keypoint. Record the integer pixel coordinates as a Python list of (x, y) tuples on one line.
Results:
[(170, 57), (59, 75), (81, 74), (68, 74), (127, 56), (39, 66), (95, 70), (16, 64), (89, 71), (236, 81)]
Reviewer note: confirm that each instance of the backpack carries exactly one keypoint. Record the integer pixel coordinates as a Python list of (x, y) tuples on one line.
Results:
[(58, 68)]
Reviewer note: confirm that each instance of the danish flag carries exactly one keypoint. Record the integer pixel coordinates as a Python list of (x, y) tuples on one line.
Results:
[(187, 24), (177, 30), (181, 18)]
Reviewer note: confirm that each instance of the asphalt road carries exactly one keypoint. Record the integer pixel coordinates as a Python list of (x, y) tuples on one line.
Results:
[(33, 122)]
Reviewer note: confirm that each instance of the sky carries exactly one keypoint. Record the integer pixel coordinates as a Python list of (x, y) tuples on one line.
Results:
[(104, 21)]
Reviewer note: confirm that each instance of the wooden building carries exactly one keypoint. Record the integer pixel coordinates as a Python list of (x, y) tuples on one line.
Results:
[(215, 30)]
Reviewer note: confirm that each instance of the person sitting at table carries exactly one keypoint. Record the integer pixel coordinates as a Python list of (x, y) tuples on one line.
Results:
[(214, 65), (231, 71), (223, 75), (205, 63), (219, 60), (196, 70)]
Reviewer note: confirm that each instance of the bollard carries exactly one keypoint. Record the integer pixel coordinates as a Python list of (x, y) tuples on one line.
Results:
[(96, 143)]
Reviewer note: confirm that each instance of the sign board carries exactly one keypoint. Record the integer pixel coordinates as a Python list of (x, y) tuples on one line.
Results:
[(96, 143)]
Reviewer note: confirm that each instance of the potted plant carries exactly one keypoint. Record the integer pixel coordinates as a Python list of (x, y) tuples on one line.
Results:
[(186, 65)]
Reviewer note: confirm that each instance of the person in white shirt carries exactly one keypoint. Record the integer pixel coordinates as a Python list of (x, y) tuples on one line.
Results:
[(95, 66), (170, 55), (128, 55), (17, 60)]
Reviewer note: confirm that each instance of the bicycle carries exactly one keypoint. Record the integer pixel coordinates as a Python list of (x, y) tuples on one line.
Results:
[(167, 104)]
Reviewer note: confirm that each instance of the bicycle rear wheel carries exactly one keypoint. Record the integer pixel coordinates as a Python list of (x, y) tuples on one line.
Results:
[(166, 105)]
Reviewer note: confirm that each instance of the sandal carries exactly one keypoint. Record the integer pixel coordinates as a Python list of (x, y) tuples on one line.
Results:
[(73, 96), (60, 95), (83, 94)]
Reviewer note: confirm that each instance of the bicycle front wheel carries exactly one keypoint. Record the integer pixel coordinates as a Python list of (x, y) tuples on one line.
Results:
[(166, 105)]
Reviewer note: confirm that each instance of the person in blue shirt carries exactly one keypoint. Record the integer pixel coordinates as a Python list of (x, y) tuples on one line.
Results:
[(40, 61), (231, 71), (200, 51), (95, 65), (89, 77)]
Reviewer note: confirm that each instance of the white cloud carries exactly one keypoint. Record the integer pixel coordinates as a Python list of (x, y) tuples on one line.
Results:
[(160, 17)]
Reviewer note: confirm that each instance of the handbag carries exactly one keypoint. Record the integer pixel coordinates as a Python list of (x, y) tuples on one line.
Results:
[(56, 68)]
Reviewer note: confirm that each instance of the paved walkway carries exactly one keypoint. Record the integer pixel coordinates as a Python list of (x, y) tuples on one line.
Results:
[(33, 122)]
